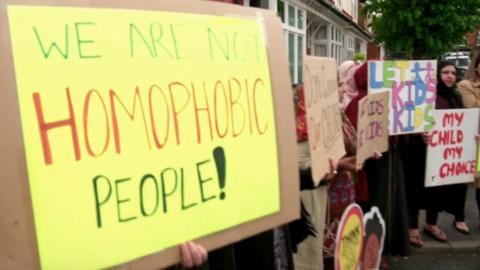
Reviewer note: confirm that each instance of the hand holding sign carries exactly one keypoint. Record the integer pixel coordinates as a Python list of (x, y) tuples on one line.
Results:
[(427, 137), (325, 137), (192, 254), (348, 163), (333, 165), (372, 122)]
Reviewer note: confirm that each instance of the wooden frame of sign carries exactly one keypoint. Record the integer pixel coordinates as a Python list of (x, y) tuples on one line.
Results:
[(18, 247)]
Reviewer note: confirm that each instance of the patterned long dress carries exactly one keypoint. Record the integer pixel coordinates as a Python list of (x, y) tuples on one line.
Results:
[(341, 192)]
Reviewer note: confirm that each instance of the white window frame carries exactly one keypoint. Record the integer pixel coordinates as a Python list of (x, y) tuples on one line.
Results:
[(338, 3), (320, 41), (335, 38), (355, 10), (350, 50), (297, 32)]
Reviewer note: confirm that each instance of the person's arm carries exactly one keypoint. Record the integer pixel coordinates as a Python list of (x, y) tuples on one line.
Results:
[(347, 163), (306, 181)]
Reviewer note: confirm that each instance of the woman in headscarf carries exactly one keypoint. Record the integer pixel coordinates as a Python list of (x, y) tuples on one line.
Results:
[(433, 198), (343, 186), (347, 83), (447, 98), (385, 180)]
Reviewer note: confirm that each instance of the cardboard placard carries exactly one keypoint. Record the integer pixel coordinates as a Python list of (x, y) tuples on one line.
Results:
[(360, 239), (374, 239), (324, 120), (451, 154), (139, 122), (372, 126), (412, 87), (349, 239), (478, 159)]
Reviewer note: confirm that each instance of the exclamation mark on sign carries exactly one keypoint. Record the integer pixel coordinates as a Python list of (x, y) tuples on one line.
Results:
[(219, 156)]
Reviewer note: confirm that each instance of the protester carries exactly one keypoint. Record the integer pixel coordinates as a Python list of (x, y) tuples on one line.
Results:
[(385, 181), (349, 92), (414, 155), (307, 233), (433, 198), (448, 98), (341, 191), (348, 88), (469, 88)]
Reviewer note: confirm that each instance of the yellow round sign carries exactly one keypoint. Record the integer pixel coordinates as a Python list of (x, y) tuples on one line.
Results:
[(349, 242)]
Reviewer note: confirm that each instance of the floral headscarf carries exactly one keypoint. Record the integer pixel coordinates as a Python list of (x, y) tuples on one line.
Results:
[(349, 89)]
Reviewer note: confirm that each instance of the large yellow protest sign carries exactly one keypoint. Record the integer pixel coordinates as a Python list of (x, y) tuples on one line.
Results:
[(142, 129)]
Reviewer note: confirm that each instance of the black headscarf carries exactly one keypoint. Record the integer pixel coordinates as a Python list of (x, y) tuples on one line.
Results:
[(449, 93)]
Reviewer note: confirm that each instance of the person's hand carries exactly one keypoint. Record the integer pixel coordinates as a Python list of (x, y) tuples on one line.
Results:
[(427, 138), (348, 163), (192, 254), (333, 169), (377, 155)]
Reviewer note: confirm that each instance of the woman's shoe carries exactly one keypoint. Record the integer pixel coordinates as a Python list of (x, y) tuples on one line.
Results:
[(435, 233), (463, 229), (415, 238)]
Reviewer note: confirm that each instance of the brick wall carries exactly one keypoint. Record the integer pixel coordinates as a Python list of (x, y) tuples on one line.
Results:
[(373, 51), (471, 39)]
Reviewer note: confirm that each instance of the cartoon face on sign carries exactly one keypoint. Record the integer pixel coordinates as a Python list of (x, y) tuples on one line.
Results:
[(360, 238), (374, 238)]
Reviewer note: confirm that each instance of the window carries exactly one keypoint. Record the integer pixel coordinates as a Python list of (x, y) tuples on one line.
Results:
[(320, 50), (259, 3), (336, 44), (281, 10), (338, 3), (300, 57), (350, 47), (355, 10), (293, 18), (300, 19), (319, 41)]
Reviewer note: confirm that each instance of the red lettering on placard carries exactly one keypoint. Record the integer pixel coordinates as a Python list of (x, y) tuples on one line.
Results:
[(44, 127)]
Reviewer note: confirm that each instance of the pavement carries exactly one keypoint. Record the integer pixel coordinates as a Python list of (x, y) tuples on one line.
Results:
[(456, 240), (461, 252), (460, 260)]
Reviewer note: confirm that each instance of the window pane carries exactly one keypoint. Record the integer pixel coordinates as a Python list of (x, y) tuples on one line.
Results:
[(321, 33), (300, 58), (300, 19), (332, 30), (291, 15), (321, 50), (281, 10), (291, 54)]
